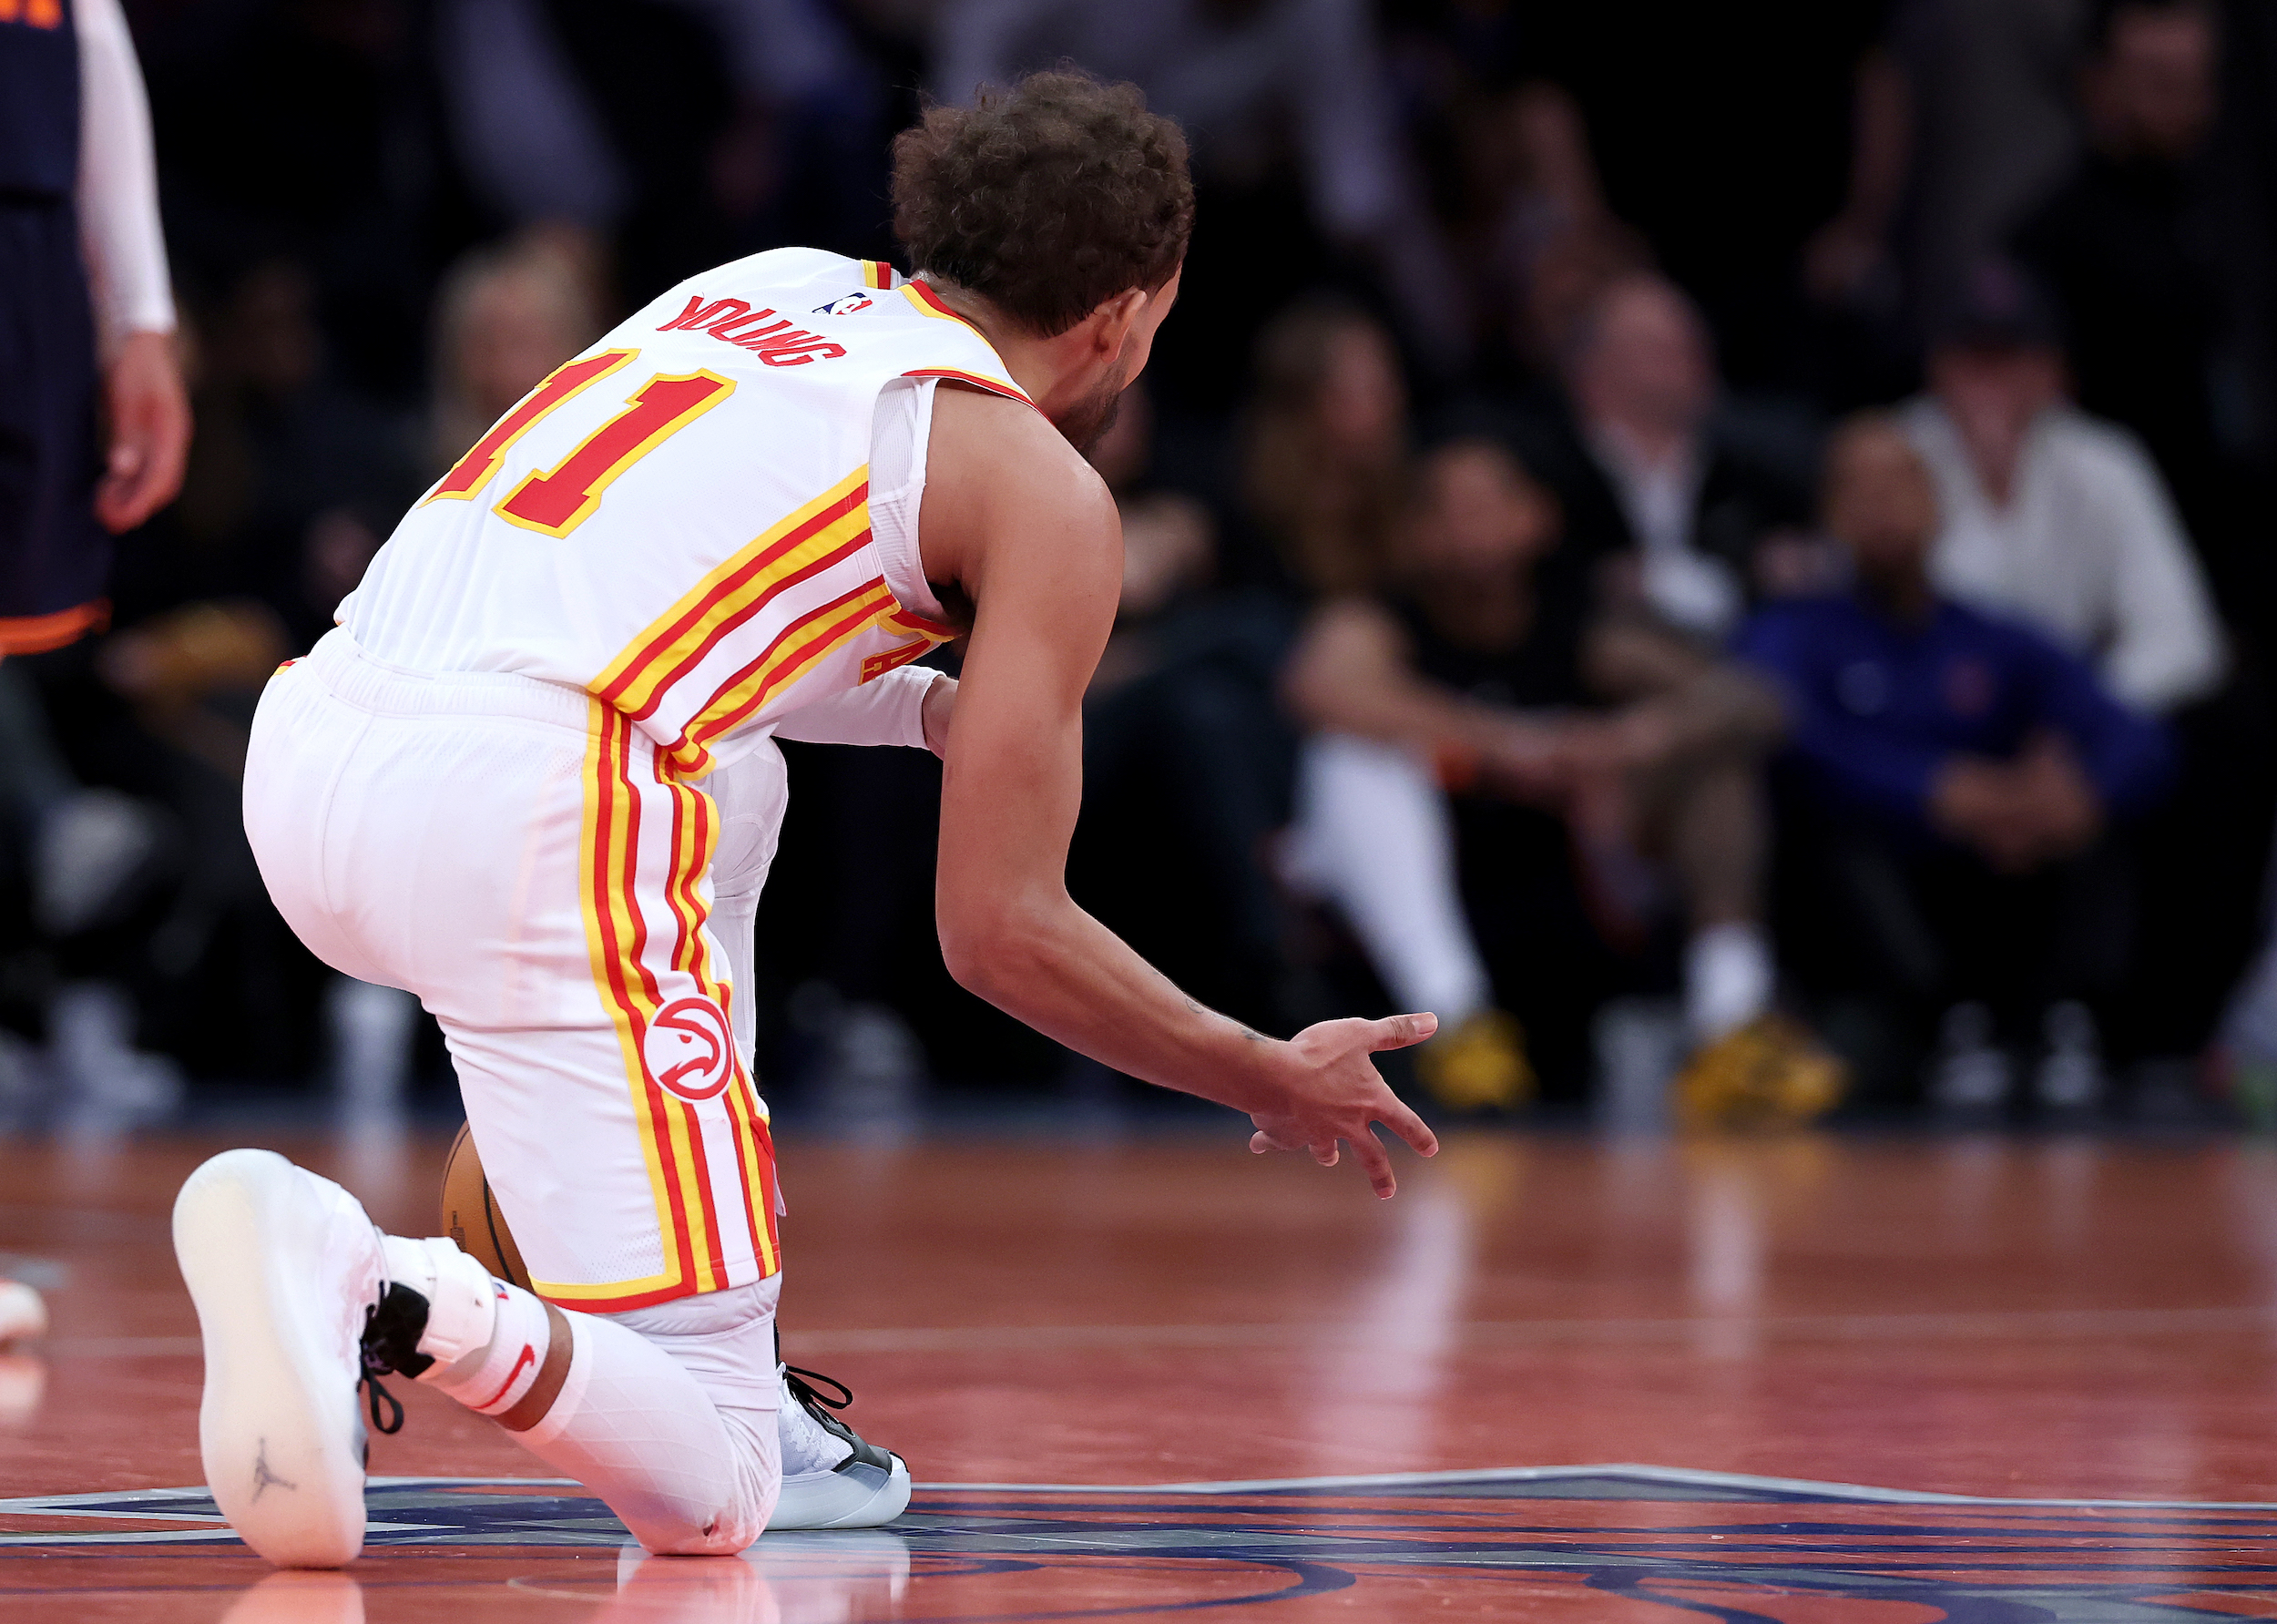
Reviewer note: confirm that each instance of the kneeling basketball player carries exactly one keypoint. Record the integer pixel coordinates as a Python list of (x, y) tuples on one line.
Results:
[(531, 777)]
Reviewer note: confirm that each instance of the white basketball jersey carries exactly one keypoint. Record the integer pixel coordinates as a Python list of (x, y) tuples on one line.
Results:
[(678, 520)]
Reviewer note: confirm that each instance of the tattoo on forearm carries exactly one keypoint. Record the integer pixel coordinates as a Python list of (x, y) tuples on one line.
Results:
[(1201, 1009)]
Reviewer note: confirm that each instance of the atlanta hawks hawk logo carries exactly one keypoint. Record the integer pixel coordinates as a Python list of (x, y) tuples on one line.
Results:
[(687, 1049)]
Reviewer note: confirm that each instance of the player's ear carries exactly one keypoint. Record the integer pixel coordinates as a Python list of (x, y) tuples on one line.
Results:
[(1116, 319)]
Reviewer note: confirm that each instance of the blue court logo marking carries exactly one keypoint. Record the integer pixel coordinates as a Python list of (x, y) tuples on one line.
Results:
[(1747, 1551)]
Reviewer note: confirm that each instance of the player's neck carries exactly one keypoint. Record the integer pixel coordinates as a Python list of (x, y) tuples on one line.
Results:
[(1045, 369)]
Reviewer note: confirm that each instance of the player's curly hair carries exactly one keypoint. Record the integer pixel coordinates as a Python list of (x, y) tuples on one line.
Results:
[(1046, 199)]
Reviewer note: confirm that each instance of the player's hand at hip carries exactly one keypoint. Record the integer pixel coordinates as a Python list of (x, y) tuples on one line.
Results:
[(1335, 1093), (147, 419)]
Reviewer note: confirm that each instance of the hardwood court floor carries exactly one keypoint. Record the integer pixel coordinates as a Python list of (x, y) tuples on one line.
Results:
[(2061, 1321)]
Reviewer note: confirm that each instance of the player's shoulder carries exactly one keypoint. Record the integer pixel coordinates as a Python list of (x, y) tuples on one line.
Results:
[(775, 270), (1001, 482), (994, 442)]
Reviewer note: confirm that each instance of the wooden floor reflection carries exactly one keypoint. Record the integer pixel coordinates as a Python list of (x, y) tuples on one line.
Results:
[(2060, 1321)]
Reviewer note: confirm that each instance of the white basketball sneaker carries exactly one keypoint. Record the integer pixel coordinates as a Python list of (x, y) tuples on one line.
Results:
[(831, 1478), (285, 1271)]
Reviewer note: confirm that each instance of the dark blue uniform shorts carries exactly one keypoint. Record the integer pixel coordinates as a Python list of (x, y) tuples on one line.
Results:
[(54, 556)]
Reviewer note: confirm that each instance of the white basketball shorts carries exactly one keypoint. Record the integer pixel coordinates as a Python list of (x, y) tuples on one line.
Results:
[(507, 849)]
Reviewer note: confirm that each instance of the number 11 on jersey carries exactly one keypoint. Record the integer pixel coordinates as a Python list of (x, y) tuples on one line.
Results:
[(555, 501)]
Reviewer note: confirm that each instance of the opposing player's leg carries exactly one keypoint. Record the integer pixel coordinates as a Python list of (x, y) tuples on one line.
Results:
[(55, 557)]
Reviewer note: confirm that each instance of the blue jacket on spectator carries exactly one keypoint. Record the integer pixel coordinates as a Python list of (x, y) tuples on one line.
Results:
[(1877, 707)]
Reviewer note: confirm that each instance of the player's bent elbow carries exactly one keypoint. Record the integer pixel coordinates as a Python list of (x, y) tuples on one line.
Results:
[(988, 952)]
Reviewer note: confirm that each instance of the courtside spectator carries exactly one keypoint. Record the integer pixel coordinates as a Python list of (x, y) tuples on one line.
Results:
[(1954, 779), (1325, 446), (1640, 469), (504, 317), (2052, 515), (1480, 725)]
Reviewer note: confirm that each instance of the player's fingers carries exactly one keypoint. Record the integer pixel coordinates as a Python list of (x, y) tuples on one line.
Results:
[(1401, 1031), (137, 480), (1394, 1115), (1378, 1166), (124, 501), (1326, 1155), (149, 447), (111, 503)]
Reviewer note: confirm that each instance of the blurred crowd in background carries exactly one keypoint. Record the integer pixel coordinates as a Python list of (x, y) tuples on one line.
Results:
[(1652, 526)]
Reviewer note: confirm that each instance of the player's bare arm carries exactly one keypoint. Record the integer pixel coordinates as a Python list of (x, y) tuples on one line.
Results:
[(1027, 529)]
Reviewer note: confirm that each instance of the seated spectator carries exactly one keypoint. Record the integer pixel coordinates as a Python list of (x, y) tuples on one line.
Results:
[(1954, 781), (504, 317), (2054, 516), (1325, 453), (1489, 671), (1638, 468)]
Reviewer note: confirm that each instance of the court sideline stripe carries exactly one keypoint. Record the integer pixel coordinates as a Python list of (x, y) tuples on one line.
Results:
[(2121, 1321), (1382, 1483), (1839, 1327)]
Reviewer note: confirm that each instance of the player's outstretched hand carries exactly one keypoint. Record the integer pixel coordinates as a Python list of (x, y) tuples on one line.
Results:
[(1337, 1093)]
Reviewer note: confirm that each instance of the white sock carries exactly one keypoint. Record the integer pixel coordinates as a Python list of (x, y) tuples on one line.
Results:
[(686, 1476), (461, 1307), (1728, 978), (496, 1377), (807, 1444), (488, 1339)]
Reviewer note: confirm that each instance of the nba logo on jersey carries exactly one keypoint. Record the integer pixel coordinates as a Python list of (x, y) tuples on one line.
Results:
[(845, 305), (687, 1049)]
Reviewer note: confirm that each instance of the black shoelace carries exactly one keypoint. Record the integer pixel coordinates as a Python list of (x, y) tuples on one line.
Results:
[(802, 1384), (374, 1396), (374, 1363)]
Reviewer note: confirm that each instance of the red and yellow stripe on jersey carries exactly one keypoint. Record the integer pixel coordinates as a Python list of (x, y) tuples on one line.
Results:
[(876, 274), (643, 826), (832, 527), (924, 300)]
